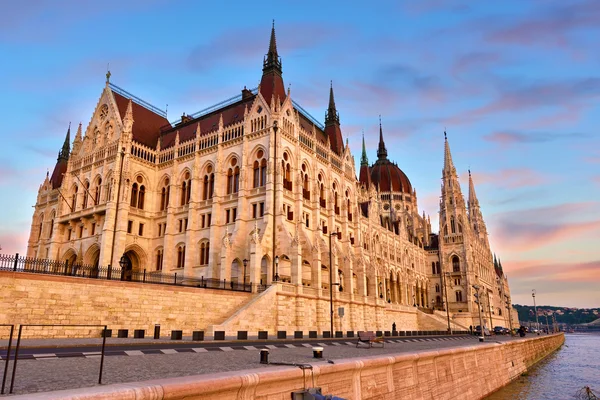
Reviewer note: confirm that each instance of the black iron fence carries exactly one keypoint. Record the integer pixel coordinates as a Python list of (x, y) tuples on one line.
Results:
[(16, 263)]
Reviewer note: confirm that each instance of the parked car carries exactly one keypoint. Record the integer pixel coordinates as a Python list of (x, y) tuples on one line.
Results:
[(500, 330), (486, 331)]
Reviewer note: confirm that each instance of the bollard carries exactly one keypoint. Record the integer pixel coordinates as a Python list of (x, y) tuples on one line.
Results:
[(317, 352), (264, 356), (157, 331)]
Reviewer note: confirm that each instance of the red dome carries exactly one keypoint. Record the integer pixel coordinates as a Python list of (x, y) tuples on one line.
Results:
[(389, 178)]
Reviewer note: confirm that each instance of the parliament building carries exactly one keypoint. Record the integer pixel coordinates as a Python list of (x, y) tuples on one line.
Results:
[(256, 178)]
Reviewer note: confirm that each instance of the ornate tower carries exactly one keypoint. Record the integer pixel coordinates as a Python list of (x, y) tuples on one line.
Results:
[(475, 217), (61, 162), (271, 84), (332, 125), (455, 257)]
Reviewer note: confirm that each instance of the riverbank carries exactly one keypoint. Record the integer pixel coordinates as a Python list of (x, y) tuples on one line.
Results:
[(470, 370), (562, 374)]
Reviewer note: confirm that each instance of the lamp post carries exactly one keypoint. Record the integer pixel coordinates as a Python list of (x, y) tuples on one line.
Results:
[(478, 297), (245, 262), (339, 236), (447, 304), (123, 263), (537, 324), (275, 258), (276, 268), (547, 328)]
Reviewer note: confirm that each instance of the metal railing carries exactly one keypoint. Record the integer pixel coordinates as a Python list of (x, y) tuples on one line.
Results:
[(64, 268)]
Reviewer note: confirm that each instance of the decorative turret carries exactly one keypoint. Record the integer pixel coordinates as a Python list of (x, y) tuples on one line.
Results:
[(453, 212), (381, 150), (271, 85), (78, 141), (332, 125), (365, 173), (62, 161), (475, 216)]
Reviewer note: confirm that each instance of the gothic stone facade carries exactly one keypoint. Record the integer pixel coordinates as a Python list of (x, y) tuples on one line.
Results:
[(256, 178)]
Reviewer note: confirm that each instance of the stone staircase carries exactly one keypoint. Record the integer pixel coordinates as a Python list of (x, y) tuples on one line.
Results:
[(429, 321), (256, 315)]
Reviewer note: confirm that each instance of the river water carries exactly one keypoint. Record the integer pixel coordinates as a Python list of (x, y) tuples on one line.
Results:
[(560, 375)]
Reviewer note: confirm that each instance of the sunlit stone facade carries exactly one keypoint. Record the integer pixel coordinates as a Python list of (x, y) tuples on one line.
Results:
[(254, 178)]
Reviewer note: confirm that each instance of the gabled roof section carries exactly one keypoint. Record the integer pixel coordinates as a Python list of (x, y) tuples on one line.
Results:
[(231, 109), (149, 120), (61, 162)]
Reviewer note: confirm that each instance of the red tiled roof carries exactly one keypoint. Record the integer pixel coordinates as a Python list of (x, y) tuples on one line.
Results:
[(208, 123), (271, 85), (390, 178), (146, 125), (57, 175)]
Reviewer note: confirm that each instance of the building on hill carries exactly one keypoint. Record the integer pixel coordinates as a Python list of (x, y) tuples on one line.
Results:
[(257, 178)]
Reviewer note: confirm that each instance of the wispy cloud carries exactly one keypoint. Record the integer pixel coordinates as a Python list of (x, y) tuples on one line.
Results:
[(506, 138), (511, 178)]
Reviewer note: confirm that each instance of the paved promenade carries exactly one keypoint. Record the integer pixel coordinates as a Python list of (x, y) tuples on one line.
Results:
[(146, 362)]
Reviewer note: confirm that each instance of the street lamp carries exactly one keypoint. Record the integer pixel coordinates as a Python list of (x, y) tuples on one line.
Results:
[(339, 236), (245, 262), (123, 263), (537, 324), (275, 258), (276, 268), (447, 304), (547, 328), (477, 296)]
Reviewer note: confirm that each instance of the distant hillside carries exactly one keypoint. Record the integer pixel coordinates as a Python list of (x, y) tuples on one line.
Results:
[(565, 315)]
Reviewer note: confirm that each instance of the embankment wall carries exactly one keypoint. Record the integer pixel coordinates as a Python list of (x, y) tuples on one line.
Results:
[(458, 373)]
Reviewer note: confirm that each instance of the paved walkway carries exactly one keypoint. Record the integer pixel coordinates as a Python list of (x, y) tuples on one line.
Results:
[(54, 373)]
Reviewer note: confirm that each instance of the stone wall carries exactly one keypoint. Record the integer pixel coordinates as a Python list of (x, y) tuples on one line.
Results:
[(46, 299), (458, 373)]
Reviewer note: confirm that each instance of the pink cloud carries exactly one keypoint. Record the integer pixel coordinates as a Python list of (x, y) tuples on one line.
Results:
[(511, 178), (14, 242)]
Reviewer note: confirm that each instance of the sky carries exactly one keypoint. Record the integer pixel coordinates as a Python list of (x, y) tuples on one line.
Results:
[(515, 84)]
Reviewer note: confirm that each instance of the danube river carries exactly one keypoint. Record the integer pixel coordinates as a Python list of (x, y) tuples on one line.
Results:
[(562, 374)]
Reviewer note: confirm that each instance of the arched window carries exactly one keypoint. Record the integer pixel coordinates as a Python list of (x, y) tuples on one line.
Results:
[(263, 172), (85, 194), (204, 251), (236, 179), (41, 226), (164, 196), (74, 199), (141, 196), (51, 225), (452, 225), (256, 174), (159, 260), (459, 297), (180, 256), (134, 195), (211, 186), (336, 206), (433, 267), (437, 288), (186, 187), (183, 192), (305, 184), (455, 264), (98, 191), (437, 267), (322, 201)]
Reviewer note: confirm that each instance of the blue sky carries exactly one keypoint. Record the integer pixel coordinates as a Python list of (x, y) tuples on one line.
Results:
[(515, 84)]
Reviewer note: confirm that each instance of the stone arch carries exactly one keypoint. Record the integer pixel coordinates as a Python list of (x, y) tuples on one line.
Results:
[(237, 271), (254, 153), (92, 255), (265, 262), (306, 273), (137, 256)]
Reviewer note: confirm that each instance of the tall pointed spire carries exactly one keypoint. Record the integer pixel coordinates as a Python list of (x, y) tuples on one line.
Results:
[(473, 202), (381, 150), (332, 125), (271, 85), (363, 158), (448, 164), (66, 148)]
